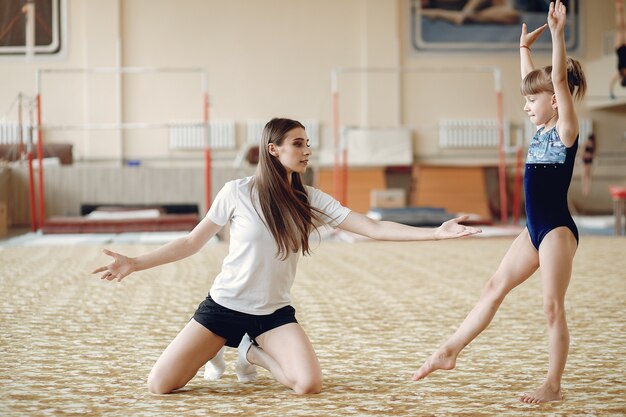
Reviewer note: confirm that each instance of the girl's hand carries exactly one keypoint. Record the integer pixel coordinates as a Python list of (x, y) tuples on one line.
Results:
[(452, 229), (528, 39), (121, 267), (557, 16)]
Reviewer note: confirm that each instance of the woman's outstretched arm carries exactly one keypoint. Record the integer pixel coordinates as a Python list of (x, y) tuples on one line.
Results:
[(387, 230), (177, 249)]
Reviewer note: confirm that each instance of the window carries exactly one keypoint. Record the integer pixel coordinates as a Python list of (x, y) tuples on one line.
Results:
[(46, 28)]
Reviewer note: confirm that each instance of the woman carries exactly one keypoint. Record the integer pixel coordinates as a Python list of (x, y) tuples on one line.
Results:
[(271, 216)]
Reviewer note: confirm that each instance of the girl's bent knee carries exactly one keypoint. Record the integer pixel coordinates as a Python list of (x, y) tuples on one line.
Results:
[(494, 292), (554, 312)]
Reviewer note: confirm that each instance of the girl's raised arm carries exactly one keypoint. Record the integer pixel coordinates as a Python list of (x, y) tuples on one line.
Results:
[(567, 125), (526, 40)]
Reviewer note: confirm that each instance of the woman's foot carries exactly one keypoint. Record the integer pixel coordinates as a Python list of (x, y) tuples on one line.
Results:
[(246, 372), (546, 393), (441, 359), (215, 368)]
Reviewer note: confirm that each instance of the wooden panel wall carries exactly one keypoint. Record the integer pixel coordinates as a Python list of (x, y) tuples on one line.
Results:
[(457, 189), (361, 182)]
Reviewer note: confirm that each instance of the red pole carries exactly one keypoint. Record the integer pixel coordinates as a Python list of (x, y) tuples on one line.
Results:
[(207, 154), (335, 121), (42, 201), (502, 160)]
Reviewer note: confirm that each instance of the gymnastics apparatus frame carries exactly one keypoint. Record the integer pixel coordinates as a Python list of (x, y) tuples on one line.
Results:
[(340, 151), (119, 125)]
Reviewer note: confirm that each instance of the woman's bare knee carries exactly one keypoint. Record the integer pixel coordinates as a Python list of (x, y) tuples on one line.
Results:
[(307, 383), (159, 385), (313, 386)]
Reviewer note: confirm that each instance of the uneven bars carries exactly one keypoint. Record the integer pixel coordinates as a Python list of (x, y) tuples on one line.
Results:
[(205, 110), (497, 77)]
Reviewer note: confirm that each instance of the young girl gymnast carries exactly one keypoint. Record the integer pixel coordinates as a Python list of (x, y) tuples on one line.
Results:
[(550, 238), (271, 216)]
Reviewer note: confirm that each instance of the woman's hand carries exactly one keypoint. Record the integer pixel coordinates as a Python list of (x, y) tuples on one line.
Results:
[(452, 229), (557, 16), (121, 267), (527, 39)]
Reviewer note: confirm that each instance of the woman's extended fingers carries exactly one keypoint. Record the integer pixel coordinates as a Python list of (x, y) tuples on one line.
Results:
[(112, 270), (110, 276), (469, 230), (454, 226), (461, 218), (115, 255), (465, 230)]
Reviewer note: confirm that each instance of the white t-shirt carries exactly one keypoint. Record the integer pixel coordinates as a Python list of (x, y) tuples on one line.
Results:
[(253, 280)]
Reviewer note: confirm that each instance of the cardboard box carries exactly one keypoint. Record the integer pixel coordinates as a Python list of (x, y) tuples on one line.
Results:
[(388, 198)]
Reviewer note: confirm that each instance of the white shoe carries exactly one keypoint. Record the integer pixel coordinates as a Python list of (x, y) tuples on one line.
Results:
[(246, 372), (215, 368)]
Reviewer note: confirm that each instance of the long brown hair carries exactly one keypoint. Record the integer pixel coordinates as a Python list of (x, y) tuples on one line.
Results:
[(286, 208), (540, 80)]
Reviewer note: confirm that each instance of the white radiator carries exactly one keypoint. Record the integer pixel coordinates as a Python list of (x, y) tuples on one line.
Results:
[(472, 133), (190, 135), (585, 128), (255, 130), (10, 133)]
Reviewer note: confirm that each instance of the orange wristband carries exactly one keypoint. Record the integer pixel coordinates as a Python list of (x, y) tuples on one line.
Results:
[(524, 46)]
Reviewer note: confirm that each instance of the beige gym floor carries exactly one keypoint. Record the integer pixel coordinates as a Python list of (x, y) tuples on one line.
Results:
[(74, 345)]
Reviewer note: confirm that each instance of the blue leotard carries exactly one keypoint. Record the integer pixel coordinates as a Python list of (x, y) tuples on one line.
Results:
[(549, 167)]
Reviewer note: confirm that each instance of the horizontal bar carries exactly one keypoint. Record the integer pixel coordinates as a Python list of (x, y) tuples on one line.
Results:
[(121, 69), (112, 126), (415, 69)]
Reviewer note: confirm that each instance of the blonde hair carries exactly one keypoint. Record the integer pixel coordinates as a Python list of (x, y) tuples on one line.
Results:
[(540, 80), (289, 216)]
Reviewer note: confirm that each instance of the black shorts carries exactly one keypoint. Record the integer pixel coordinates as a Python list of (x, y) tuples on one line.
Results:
[(232, 325)]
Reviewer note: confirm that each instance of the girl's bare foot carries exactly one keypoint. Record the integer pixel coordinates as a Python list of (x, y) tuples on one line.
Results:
[(441, 359), (545, 393)]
